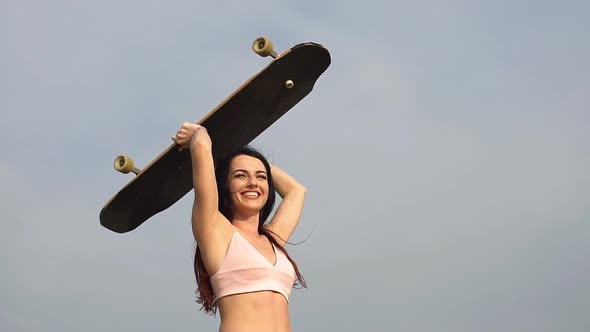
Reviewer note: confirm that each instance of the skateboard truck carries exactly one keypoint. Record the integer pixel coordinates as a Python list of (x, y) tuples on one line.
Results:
[(264, 47), (124, 164)]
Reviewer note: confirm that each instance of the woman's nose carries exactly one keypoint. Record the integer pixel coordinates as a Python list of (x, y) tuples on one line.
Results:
[(252, 182)]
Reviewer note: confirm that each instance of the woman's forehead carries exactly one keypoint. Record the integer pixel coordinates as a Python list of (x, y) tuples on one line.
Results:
[(247, 163)]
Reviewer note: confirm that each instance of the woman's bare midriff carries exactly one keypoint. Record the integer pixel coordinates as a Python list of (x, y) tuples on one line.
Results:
[(263, 311)]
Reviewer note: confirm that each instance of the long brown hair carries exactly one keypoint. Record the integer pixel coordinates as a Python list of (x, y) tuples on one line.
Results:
[(205, 295)]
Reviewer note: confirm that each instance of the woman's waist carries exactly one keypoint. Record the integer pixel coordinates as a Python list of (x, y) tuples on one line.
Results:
[(257, 311)]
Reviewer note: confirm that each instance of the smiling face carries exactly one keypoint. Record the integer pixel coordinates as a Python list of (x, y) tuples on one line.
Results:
[(247, 184)]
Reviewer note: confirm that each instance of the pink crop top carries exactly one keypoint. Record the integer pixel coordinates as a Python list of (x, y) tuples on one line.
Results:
[(245, 270)]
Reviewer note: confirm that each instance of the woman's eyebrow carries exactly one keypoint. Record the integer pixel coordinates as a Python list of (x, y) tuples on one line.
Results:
[(245, 171)]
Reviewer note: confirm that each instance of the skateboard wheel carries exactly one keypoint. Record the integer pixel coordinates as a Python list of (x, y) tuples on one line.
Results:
[(263, 47), (289, 84), (124, 164)]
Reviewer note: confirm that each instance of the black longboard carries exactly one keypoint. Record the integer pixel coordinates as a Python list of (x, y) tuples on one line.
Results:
[(236, 122)]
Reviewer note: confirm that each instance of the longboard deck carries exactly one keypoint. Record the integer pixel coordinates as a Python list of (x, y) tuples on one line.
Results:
[(236, 122)]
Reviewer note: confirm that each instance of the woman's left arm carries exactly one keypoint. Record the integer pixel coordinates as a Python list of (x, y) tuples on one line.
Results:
[(289, 211)]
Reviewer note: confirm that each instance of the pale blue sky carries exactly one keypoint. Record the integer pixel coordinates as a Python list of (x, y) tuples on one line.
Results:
[(445, 151)]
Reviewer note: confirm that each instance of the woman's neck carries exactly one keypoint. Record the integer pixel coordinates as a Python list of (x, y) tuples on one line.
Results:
[(247, 224)]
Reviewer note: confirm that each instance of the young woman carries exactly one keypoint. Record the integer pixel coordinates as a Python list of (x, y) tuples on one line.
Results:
[(241, 265)]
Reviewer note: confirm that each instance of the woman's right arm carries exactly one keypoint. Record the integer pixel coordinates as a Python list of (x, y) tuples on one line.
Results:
[(206, 218), (211, 229), (205, 203)]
